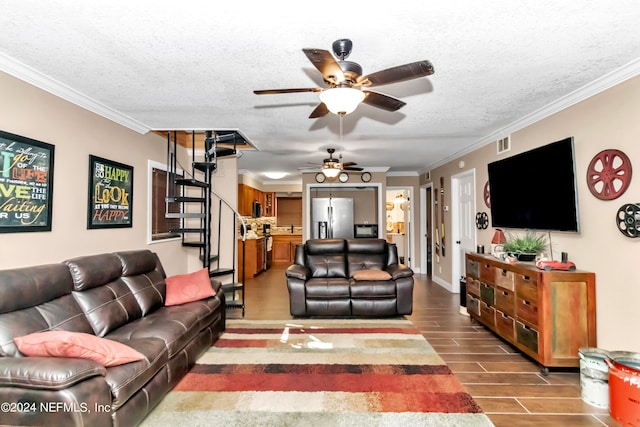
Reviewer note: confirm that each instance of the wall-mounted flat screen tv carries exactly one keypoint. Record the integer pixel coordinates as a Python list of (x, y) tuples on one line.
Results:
[(536, 190)]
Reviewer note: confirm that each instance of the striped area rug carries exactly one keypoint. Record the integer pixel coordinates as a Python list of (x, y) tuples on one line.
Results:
[(344, 372)]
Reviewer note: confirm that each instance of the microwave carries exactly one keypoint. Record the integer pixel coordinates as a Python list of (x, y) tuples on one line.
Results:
[(365, 231)]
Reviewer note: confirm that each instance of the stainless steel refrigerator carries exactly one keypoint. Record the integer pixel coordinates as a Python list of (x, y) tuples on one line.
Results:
[(332, 218)]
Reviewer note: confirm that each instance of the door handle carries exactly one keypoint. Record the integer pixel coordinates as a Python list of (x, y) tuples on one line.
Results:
[(457, 242)]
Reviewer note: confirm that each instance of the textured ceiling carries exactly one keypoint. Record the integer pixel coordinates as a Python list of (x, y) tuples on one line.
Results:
[(194, 65)]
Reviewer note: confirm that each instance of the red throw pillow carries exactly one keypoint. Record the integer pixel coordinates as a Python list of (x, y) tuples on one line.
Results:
[(77, 344), (188, 287), (371, 275)]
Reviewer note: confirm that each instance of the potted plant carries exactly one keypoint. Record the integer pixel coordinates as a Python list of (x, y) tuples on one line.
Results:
[(527, 247)]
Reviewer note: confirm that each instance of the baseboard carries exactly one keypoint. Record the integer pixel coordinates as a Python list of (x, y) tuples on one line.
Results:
[(443, 283)]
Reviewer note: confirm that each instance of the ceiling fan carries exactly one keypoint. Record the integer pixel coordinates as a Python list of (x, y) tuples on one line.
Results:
[(332, 166), (346, 86)]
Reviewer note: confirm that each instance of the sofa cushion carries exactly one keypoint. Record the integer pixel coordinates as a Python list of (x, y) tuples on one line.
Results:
[(126, 380), (327, 288), (373, 289), (104, 297), (78, 345), (371, 275), (366, 254), (175, 325), (36, 299), (140, 272), (326, 257), (190, 287)]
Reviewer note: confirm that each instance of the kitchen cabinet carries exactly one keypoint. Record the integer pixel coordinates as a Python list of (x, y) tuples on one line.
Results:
[(254, 251), (269, 204), (548, 315), (246, 196), (284, 247)]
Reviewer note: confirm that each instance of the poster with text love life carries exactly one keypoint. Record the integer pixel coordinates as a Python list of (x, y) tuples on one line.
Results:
[(26, 184), (110, 194)]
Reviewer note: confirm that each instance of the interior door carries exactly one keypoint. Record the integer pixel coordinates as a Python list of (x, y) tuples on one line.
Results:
[(465, 227)]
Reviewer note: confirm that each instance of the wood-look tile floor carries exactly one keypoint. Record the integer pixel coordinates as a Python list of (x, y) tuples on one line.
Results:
[(507, 385)]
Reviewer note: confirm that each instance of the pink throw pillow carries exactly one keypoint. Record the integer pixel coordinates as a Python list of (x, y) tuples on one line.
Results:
[(371, 275), (190, 287), (77, 344)]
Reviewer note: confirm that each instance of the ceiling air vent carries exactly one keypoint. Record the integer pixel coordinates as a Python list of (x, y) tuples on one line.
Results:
[(503, 145)]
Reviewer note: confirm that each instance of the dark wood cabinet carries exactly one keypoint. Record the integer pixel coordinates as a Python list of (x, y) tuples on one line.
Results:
[(548, 315)]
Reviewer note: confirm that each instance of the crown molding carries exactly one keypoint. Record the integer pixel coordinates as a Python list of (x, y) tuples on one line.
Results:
[(595, 87), (30, 75)]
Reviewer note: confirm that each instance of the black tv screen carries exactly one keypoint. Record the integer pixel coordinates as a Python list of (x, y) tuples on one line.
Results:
[(536, 189)]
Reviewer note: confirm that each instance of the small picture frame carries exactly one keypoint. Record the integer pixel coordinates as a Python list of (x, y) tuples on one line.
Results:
[(26, 184), (110, 201)]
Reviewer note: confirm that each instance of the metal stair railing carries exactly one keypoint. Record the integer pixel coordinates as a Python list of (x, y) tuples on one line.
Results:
[(176, 182)]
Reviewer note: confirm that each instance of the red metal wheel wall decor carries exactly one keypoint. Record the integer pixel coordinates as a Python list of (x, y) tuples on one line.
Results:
[(609, 174), (487, 195)]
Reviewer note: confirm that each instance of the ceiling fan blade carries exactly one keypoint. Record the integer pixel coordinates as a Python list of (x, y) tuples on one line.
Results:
[(379, 100), (352, 168), (326, 64), (347, 164), (320, 111), (274, 91), (398, 74)]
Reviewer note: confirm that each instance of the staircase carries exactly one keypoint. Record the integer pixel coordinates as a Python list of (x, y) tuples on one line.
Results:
[(201, 208)]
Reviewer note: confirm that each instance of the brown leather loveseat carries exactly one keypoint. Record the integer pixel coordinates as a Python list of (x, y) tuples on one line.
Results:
[(349, 277), (117, 296)]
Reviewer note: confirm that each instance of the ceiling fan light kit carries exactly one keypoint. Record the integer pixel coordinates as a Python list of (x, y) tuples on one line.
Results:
[(342, 100), (347, 87), (331, 171)]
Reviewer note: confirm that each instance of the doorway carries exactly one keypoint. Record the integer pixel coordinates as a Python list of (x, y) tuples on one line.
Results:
[(399, 222), (463, 225)]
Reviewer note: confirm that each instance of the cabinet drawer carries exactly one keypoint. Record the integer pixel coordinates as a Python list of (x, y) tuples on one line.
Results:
[(505, 300), (473, 286), (488, 314), (505, 325), (473, 268), (473, 305), (526, 287), (504, 278), (487, 273), (527, 310), (487, 293), (527, 336)]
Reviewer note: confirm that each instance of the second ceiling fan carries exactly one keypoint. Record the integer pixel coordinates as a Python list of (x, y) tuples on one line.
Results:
[(346, 86)]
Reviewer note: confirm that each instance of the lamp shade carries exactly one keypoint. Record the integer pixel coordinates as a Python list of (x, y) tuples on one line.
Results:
[(331, 171), (498, 237), (341, 100)]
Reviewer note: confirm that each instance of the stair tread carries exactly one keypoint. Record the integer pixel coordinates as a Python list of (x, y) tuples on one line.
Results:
[(220, 272), (229, 287), (184, 215), (193, 244), (185, 199), (191, 182)]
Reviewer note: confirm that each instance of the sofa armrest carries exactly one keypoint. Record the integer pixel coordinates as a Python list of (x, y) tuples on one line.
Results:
[(297, 271), (51, 373), (399, 271)]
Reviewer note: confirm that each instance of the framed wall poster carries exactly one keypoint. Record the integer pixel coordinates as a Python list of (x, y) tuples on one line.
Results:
[(26, 184), (110, 194)]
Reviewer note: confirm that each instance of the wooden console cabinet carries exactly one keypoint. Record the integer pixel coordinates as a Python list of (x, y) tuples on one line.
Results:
[(548, 315)]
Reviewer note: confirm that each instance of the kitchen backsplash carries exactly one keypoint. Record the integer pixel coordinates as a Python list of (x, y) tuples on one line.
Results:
[(256, 225)]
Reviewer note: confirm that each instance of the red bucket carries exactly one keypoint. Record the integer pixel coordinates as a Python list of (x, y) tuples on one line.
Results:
[(624, 389)]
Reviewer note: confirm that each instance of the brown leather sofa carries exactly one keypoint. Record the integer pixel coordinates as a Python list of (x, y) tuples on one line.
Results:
[(345, 277), (119, 296)]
